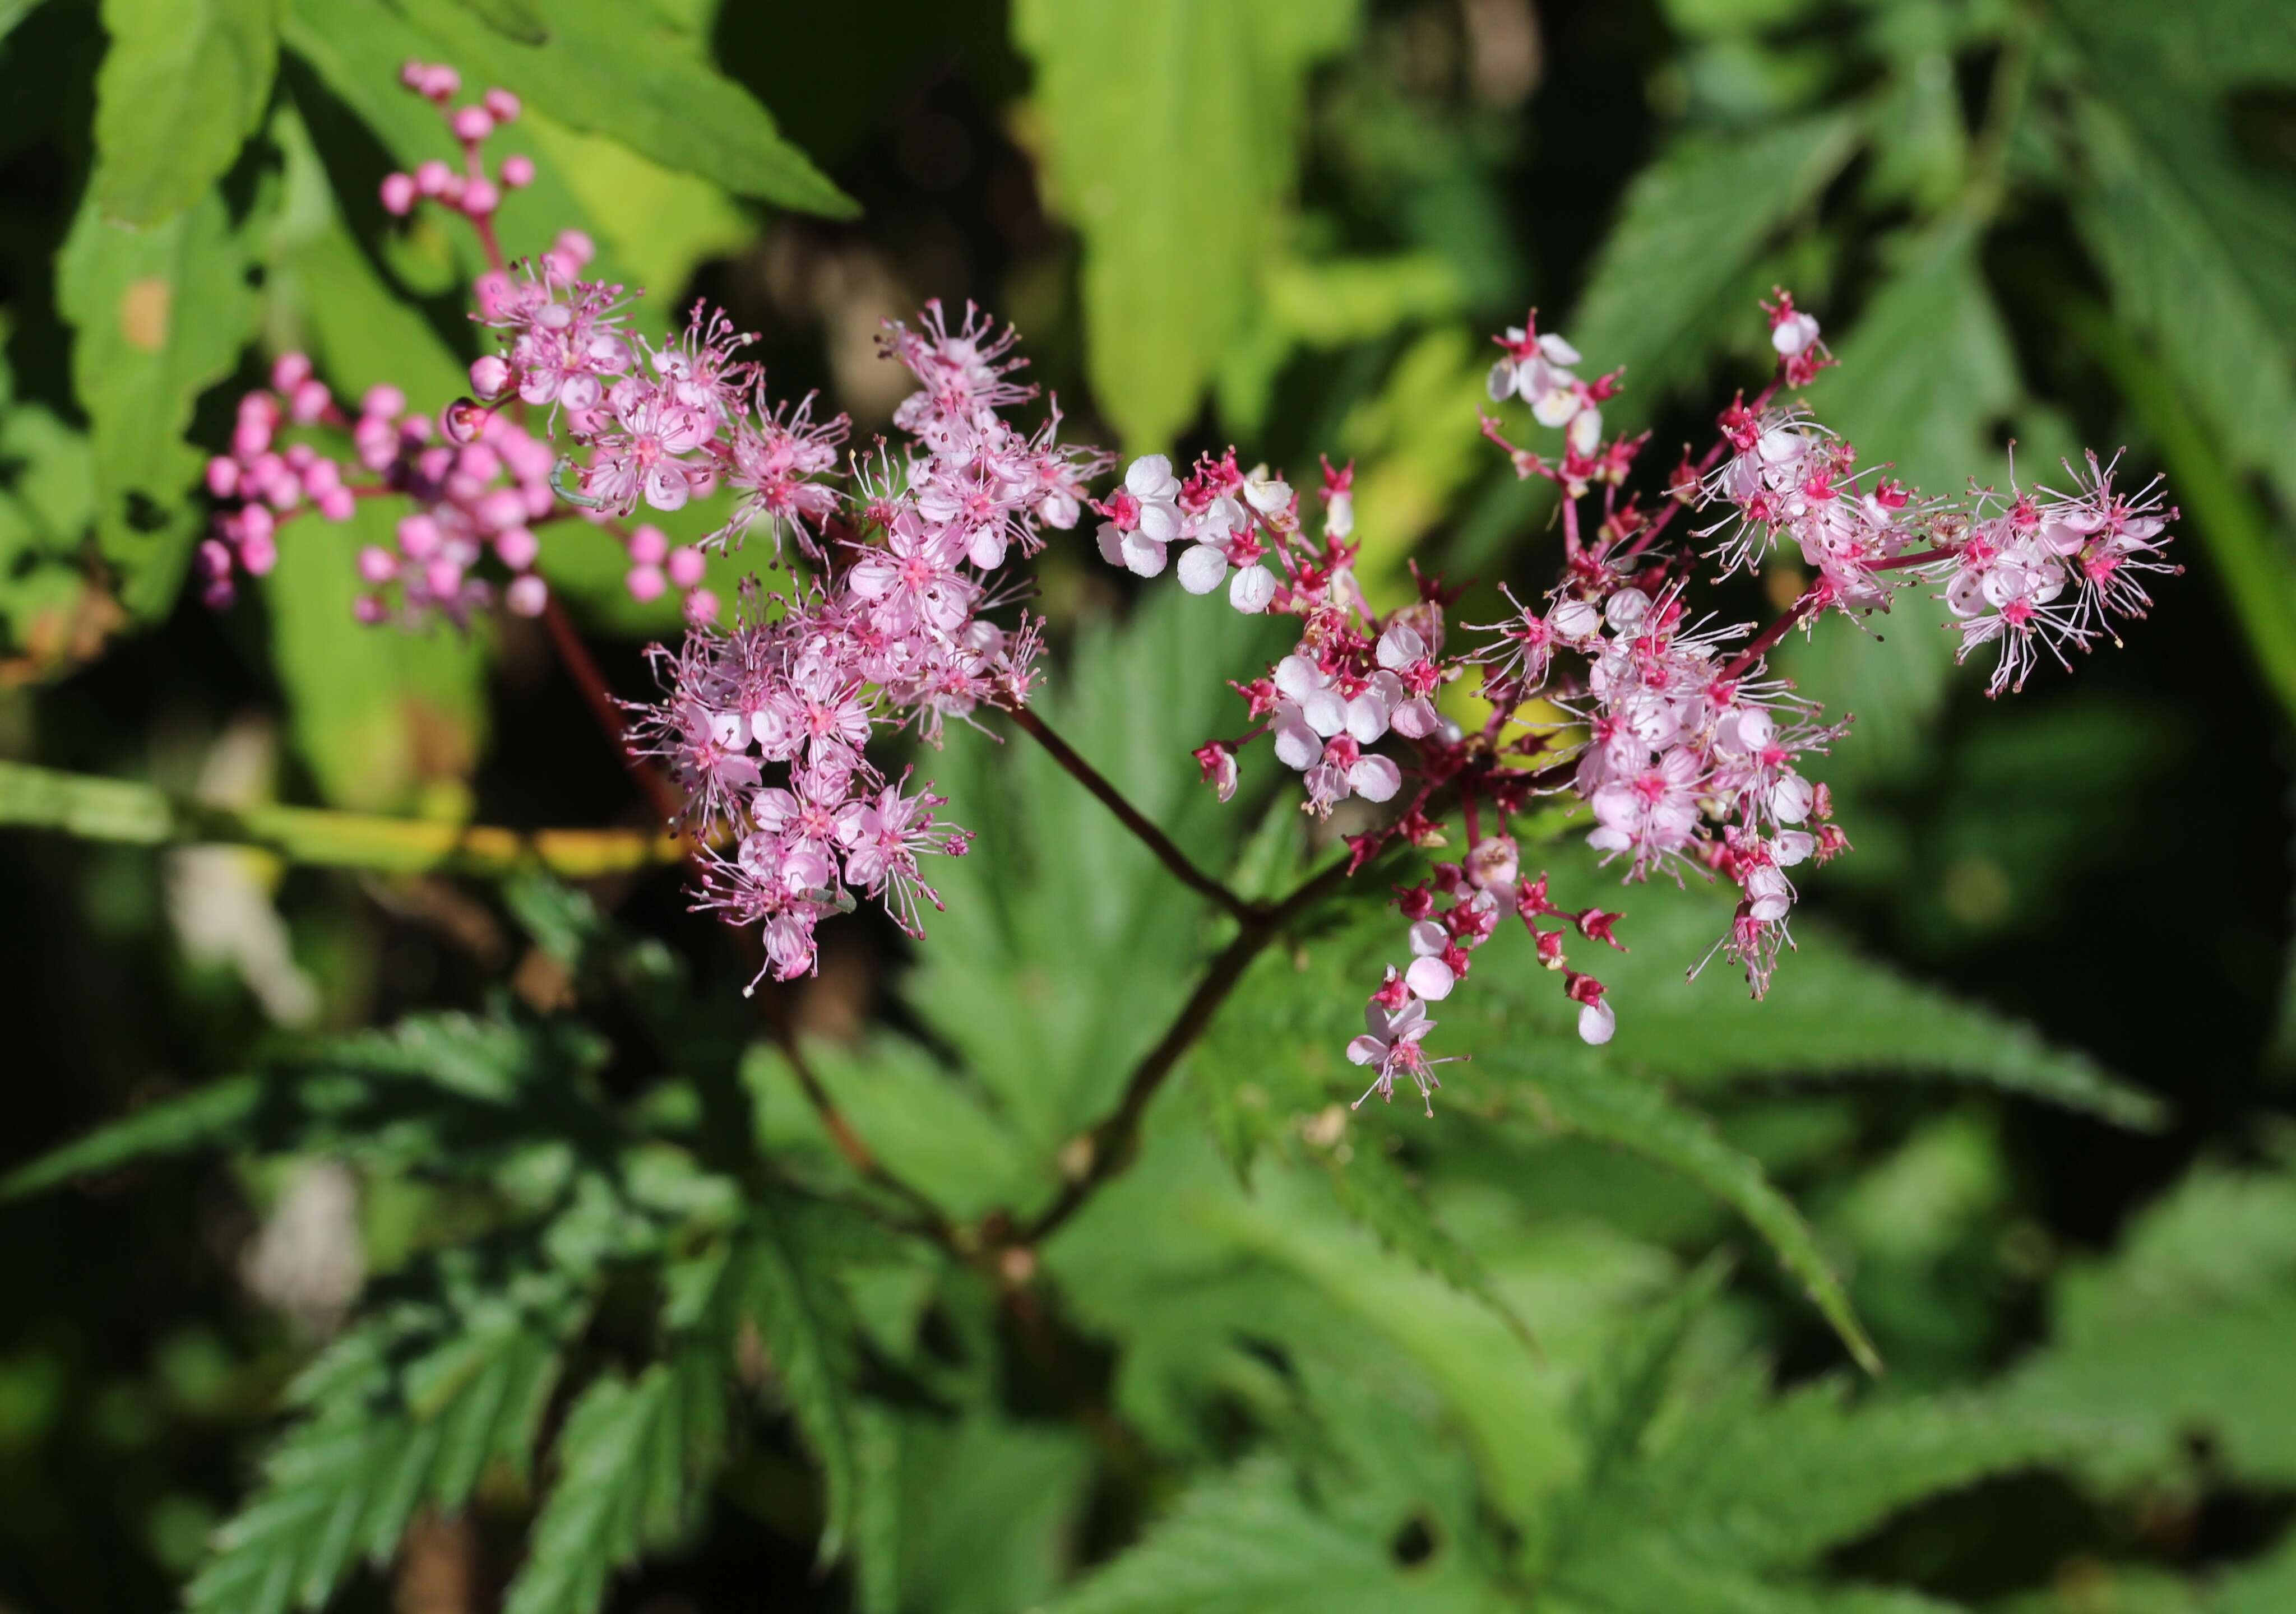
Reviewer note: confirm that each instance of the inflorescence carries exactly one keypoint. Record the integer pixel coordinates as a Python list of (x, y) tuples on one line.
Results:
[(1608, 690)]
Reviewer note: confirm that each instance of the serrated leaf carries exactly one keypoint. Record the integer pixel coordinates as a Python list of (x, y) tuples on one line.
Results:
[(1636, 1116), (1248, 1543), (1065, 948), (208, 1118), (2198, 252), (1373, 1192), (159, 315), (183, 85), (444, 1094), (808, 1330), (1770, 1488), (1691, 223), (1171, 144), (612, 70), (342, 1482), (1618, 1399), (628, 1479)]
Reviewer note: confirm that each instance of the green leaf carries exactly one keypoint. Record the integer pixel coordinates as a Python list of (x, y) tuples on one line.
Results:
[(1638, 1116), (627, 1479), (441, 1094), (1373, 1191), (1171, 142), (791, 1296), (1925, 375), (1621, 1396), (1762, 1487), (377, 713), (1249, 1543), (519, 20), (181, 87), (408, 1408), (2265, 1586), (159, 315), (1063, 950), (1692, 224), (2201, 255), (612, 70), (210, 1118)]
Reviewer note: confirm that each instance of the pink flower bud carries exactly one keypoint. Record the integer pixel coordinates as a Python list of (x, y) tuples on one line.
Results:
[(489, 376), (645, 583), (518, 171), (299, 457), (377, 564), (311, 402), (686, 567), (290, 370), (492, 292), (338, 505), (322, 476), (223, 477), (500, 105), (480, 198), (577, 246), (399, 194), (371, 610), (443, 577), (440, 83), (384, 402), (526, 595), (701, 607), (419, 537), (471, 124), (503, 509), (215, 559), (412, 75), (462, 420), (433, 178), (249, 438), (517, 547), (649, 544), (259, 553)]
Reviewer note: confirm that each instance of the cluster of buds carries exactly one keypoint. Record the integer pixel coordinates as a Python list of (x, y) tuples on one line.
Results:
[(475, 192), (1685, 750)]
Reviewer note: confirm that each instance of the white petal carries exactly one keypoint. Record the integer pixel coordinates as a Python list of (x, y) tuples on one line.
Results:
[(1201, 568), (1251, 589), (1554, 406), (1586, 429), (1325, 712), (1430, 978), (1557, 350), (1596, 1023), (1790, 799), (1298, 677), (1143, 557), (1366, 1051), (1150, 477), (1297, 746), (1268, 498), (1367, 715), (1400, 646), (1375, 779), (1427, 939)]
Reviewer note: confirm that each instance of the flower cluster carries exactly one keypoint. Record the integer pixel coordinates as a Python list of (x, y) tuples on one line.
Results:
[(1665, 728), (1686, 753), (888, 633)]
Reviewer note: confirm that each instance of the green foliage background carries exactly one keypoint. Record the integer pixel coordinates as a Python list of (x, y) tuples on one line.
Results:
[(1961, 1275)]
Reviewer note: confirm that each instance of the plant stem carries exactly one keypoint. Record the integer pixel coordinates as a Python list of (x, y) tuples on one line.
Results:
[(1148, 834), (1112, 1141), (124, 811), (583, 669)]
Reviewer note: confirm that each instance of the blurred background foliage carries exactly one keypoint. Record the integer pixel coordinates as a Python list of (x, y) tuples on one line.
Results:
[(433, 1241)]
